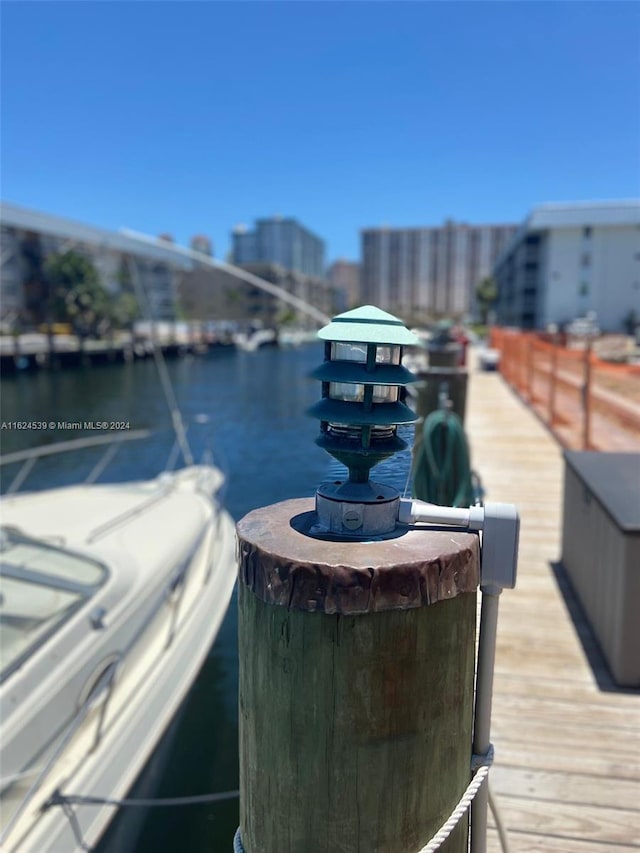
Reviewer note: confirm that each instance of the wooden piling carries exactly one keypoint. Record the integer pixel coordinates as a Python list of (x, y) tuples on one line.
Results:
[(356, 685), (454, 378)]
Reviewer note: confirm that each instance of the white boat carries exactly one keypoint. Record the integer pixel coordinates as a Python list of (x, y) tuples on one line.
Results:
[(249, 342), (110, 598), (292, 337)]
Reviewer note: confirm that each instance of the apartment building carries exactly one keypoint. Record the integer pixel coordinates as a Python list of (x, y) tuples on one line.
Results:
[(29, 237), (344, 276), (431, 271), (569, 260), (281, 241)]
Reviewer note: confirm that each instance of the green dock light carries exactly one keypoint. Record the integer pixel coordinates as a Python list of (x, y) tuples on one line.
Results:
[(361, 408)]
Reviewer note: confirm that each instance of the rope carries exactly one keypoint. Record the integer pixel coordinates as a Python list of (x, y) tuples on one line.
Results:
[(60, 799), (483, 763), (75, 826), (480, 763), (64, 800), (442, 470)]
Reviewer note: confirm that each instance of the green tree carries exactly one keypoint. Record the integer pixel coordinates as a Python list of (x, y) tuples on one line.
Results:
[(124, 311), (76, 294), (286, 316), (486, 295)]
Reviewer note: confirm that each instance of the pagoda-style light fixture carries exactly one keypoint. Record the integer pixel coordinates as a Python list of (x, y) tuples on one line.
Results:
[(361, 408)]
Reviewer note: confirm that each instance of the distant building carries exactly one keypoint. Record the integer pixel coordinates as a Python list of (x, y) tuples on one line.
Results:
[(431, 271), (345, 277), (201, 243), (279, 241), (216, 294), (28, 238), (567, 260)]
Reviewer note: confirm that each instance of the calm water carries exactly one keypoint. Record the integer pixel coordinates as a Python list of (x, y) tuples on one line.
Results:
[(259, 434)]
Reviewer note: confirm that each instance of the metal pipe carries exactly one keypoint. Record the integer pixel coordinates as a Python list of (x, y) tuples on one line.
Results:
[(420, 511), (482, 720)]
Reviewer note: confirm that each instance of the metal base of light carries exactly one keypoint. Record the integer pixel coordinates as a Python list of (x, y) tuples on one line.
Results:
[(356, 510)]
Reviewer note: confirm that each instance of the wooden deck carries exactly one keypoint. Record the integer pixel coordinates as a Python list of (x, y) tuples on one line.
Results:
[(567, 771)]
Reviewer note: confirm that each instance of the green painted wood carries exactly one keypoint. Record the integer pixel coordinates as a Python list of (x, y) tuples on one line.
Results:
[(355, 730)]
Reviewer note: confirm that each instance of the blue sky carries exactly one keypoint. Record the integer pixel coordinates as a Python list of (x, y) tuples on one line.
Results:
[(192, 117)]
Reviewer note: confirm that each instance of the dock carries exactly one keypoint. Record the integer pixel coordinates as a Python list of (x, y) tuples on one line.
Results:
[(567, 740), (32, 352)]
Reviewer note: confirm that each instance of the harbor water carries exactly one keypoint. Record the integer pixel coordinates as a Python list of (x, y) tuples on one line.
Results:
[(248, 409)]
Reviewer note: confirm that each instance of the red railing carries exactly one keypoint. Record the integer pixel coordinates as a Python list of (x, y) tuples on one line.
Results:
[(587, 402)]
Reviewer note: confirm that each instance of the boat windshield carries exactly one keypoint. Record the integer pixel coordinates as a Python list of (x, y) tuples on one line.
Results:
[(41, 586)]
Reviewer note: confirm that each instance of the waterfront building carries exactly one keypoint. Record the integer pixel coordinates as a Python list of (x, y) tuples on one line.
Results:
[(429, 272), (281, 241), (345, 277), (569, 260), (29, 237)]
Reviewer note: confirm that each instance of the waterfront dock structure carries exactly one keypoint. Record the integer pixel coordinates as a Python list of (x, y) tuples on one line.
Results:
[(32, 351), (567, 770)]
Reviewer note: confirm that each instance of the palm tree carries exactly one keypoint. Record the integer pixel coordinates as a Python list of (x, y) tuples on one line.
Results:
[(486, 295)]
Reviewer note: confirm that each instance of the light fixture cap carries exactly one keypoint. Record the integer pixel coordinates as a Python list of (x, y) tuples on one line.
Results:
[(368, 325)]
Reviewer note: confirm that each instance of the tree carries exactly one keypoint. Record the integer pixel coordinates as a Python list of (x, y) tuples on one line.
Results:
[(76, 294), (486, 295), (124, 311), (286, 316)]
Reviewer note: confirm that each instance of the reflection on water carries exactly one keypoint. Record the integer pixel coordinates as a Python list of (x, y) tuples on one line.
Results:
[(256, 425)]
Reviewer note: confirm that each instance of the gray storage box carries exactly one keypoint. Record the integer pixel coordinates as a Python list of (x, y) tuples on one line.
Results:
[(601, 552)]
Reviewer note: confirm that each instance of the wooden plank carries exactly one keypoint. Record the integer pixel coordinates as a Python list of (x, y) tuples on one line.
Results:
[(524, 842), (550, 757), (539, 666), (567, 772), (568, 738), (512, 683), (571, 821), (523, 707), (563, 787)]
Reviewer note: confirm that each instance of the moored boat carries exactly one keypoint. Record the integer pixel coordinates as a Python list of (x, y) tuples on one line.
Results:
[(110, 598)]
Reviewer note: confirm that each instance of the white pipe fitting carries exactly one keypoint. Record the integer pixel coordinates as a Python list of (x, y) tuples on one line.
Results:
[(500, 527)]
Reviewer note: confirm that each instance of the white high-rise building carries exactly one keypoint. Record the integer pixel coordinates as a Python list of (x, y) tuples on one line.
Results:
[(433, 270)]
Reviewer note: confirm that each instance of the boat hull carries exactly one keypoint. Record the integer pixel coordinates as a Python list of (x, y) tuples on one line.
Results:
[(166, 648)]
